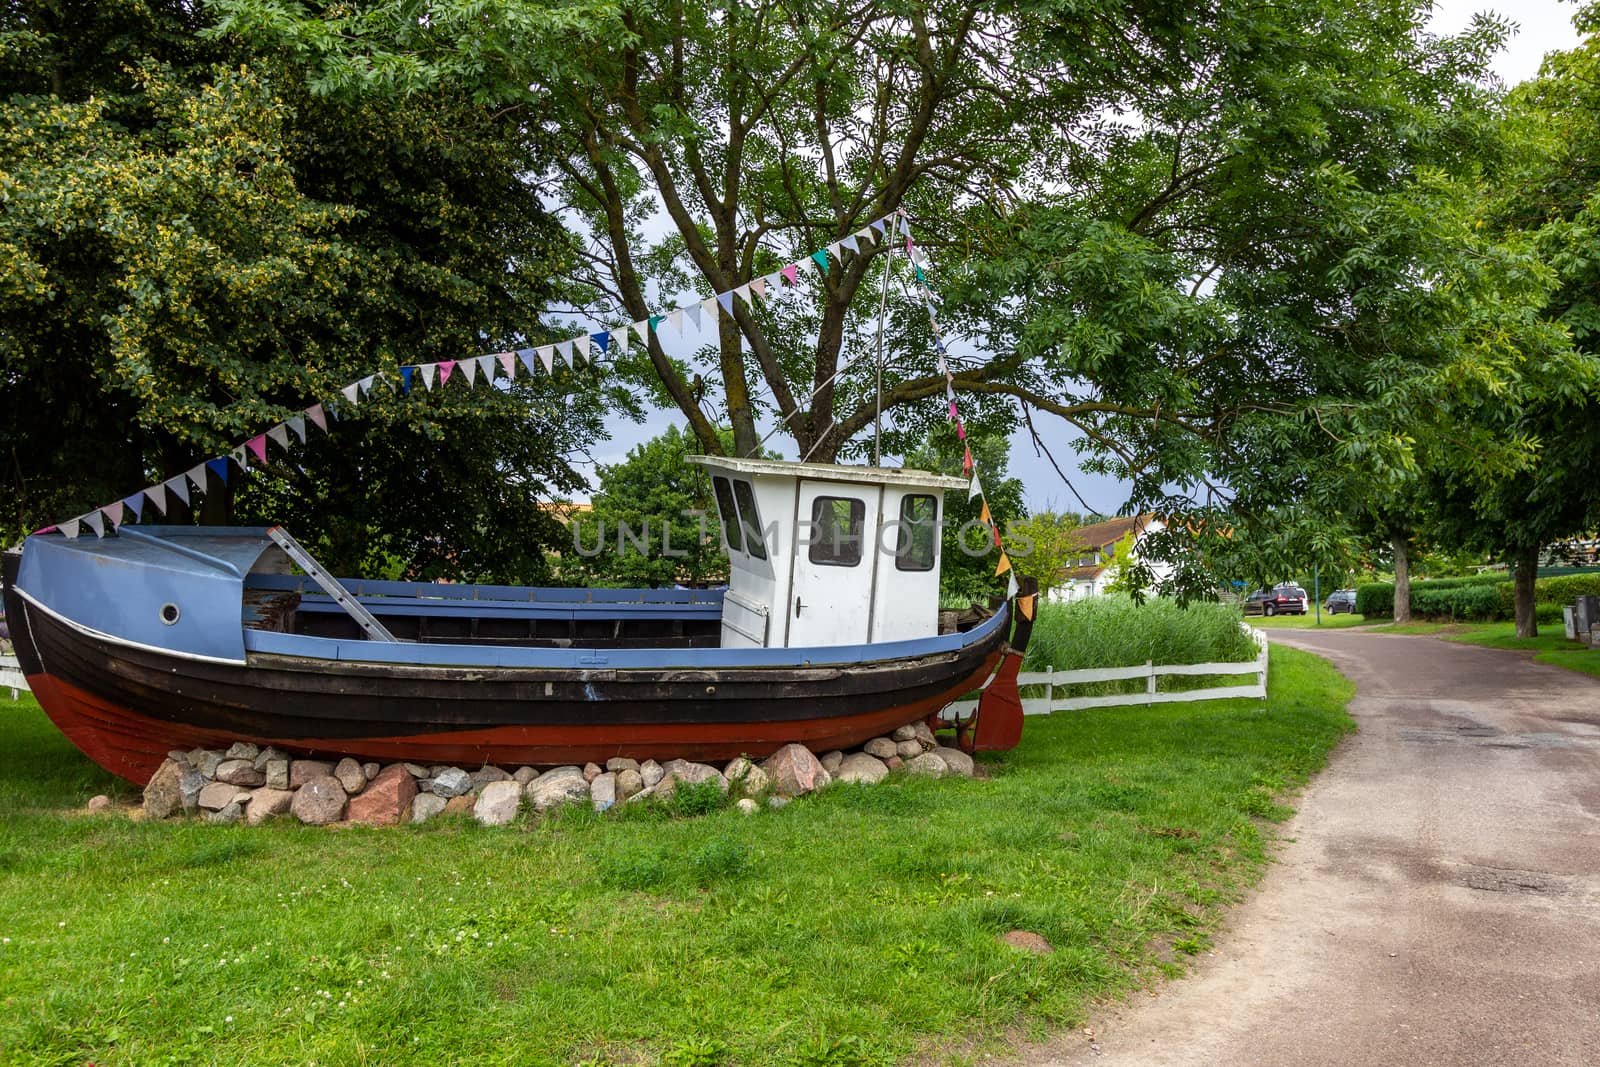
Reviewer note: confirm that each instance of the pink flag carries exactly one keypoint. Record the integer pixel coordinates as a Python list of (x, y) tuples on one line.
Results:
[(792, 272), (509, 362), (315, 414), (961, 431), (444, 370), (952, 408), (258, 445), (114, 513)]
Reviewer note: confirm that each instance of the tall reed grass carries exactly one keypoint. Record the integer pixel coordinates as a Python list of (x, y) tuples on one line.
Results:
[(1113, 631)]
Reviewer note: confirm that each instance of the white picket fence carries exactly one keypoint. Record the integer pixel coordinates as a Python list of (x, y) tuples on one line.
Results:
[(11, 676), (1049, 678)]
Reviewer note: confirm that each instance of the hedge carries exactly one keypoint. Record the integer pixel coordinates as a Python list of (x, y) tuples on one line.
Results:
[(1482, 597)]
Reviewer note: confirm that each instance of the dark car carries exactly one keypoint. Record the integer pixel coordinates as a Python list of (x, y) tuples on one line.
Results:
[(1340, 600), (1286, 599)]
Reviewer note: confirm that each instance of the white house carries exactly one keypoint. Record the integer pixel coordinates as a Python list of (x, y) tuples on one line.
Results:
[(1092, 571)]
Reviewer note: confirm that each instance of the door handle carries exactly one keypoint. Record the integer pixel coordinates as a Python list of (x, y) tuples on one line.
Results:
[(797, 607)]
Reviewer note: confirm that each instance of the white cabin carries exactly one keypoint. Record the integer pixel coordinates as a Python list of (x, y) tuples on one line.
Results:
[(827, 555)]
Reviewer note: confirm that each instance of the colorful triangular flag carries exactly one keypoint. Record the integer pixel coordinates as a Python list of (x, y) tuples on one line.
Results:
[(446, 367), (1004, 564), (351, 393), (219, 467), (1012, 588), (758, 286), (486, 366), (197, 475), (468, 369), (851, 243), (318, 417), (430, 371), (602, 341), (114, 513), (792, 273), (726, 302), (743, 292), (258, 445), (564, 350), (366, 384), (279, 435), (405, 379), (619, 339), (821, 259), (675, 320), (655, 322), (96, 522), (70, 528), (694, 314), (547, 356), (975, 488), (135, 504), (179, 487), (508, 363), (712, 307), (241, 457), (157, 495), (527, 357)]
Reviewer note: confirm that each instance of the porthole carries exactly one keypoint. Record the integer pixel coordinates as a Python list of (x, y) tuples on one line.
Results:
[(169, 613)]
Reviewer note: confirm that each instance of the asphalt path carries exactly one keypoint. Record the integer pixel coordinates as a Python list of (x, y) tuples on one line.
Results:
[(1437, 900)]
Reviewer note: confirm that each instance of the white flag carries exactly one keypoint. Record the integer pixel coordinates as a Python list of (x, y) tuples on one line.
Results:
[(976, 487), (70, 528), (468, 369), (298, 425), (179, 487), (564, 349), (694, 315), (642, 328), (280, 435), (547, 357), (743, 292), (366, 384), (96, 523), (851, 244), (486, 365), (675, 320), (619, 342), (350, 393)]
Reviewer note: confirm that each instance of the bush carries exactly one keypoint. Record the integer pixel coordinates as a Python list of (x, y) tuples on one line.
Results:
[(1559, 590), (1113, 631), (1375, 598), (1464, 602)]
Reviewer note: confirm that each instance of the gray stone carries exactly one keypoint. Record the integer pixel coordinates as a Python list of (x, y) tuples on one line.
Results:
[(957, 761), (908, 749), (629, 784), (426, 806), (240, 772), (692, 773), (320, 801), (350, 775), (484, 775), (747, 806), (621, 763), (794, 771), (267, 755), (498, 803), (208, 762), (925, 735), (650, 771), (524, 775), (416, 770), (242, 750), (178, 755), (232, 813), (189, 785), (218, 795), (99, 803), (745, 777), (830, 760), (904, 733), (881, 747), (371, 770), (928, 765), (591, 771), (195, 755), (267, 802), (603, 791), (862, 768), (451, 782), (894, 763), (438, 769), (302, 771), (563, 785), (277, 772), (776, 801)]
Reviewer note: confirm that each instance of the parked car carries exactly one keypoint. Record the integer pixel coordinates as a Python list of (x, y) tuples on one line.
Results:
[(1340, 600), (1285, 599)]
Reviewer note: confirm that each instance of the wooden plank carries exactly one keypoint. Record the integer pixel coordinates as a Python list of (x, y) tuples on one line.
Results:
[(1249, 666), (11, 676), (1115, 700)]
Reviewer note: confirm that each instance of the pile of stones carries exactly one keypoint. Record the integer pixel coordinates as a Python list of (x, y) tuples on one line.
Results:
[(249, 783)]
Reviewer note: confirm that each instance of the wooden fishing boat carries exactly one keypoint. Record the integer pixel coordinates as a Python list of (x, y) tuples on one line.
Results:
[(156, 638)]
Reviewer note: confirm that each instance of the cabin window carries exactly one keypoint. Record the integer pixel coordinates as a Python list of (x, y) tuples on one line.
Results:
[(918, 528), (730, 517), (751, 520), (836, 526)]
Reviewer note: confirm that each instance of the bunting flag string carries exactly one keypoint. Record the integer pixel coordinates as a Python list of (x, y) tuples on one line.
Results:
[(702, 313), (969, 463)]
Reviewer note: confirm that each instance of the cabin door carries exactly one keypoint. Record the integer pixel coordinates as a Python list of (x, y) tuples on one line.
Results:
[(830, 600)]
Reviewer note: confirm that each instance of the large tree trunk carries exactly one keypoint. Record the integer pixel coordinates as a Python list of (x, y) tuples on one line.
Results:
[(1525, 569), (1402, 577)]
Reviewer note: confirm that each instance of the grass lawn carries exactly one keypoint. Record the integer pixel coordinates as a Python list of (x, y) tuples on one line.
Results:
[(1551, 646), (854, 927), (1308, 620)]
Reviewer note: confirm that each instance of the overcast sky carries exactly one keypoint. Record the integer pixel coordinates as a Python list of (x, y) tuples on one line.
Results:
[(1542, 26)]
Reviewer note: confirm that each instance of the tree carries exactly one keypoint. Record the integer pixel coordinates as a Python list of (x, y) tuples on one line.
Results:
[(195, 247), (1045, 545), (1147, 218), (654, 521)]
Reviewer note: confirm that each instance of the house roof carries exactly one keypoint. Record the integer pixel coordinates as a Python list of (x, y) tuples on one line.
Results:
[(1096, 535)]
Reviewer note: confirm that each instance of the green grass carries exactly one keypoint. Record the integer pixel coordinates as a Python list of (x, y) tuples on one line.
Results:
[(1307, 621), (1113, 631), (1551, 646), (854, 927)]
